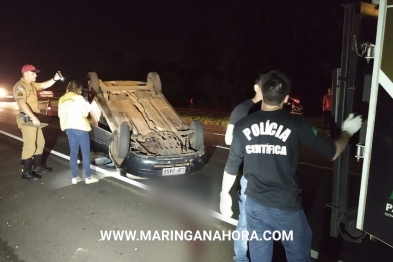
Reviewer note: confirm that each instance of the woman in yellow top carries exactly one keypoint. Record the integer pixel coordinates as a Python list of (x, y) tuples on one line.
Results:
[(73, 111)]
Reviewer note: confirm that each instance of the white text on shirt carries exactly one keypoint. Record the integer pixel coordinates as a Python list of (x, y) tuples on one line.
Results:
[(267, 129)]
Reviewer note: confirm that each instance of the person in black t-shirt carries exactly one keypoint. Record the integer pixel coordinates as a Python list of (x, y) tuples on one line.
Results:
[(245, 108), (268, 143)]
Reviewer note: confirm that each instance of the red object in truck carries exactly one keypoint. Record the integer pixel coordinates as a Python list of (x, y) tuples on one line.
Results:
[(44, 94)]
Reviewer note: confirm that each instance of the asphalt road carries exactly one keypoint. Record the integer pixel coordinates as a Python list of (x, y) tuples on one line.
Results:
[(52, 220)]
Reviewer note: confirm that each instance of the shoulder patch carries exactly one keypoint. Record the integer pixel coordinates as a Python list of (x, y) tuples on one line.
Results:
[(20, 94), (314, 130), (21, 88)]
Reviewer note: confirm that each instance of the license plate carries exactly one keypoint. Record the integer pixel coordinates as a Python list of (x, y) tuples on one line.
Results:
[(174, 171)]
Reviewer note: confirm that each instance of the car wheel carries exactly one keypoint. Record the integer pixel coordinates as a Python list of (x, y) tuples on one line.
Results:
[(121, 171), (155, 79), (113, 153), (115, 161), (123, 140), (94, 83), (118, 169), (198, 138)]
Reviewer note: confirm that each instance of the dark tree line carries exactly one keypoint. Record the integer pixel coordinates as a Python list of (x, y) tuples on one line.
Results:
[(223, 54)]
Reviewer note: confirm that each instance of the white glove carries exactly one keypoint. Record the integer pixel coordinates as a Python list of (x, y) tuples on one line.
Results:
[(352, 125), (226, 204)]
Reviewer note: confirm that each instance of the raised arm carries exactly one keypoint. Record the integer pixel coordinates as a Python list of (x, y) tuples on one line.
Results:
[(350, 126), (51, 82), (330, 148)]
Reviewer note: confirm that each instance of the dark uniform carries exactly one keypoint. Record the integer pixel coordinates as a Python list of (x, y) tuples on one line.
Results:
[(243, 109), (240, 245), (268, 143)]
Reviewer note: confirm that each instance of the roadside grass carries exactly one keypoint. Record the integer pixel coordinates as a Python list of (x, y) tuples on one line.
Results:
[(217, 119), (223, 120), (206, 119)]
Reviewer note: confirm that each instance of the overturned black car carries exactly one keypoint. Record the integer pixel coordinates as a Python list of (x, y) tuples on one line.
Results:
[(136, 127)]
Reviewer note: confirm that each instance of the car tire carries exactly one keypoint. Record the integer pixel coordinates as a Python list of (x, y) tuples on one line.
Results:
[(115, 159), (155, 79), (113, 153), (123, 140), (94, 83), (198, 139)]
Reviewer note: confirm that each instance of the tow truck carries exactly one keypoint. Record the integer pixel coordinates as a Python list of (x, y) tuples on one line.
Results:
[(364, 84)]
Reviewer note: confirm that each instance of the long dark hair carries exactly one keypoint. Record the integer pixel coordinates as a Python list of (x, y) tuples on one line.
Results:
[(74, 86)]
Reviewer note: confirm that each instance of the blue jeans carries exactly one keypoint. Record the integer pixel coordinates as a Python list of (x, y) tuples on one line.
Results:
[(262, 219), (78, 138), (240, 245)]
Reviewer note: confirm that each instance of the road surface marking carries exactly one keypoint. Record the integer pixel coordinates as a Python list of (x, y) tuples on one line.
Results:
[(217, 134), (215, 214), (113, 174), (206, 128), (301, 163), (223, 147)]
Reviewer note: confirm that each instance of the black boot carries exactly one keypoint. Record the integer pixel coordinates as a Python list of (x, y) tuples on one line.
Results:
[(38, 168), (27, 164)]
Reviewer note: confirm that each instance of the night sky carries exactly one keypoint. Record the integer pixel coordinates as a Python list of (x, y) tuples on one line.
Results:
[(209, 50)]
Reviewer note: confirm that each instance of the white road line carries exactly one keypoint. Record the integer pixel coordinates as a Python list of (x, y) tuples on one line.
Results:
[(323, 167), (217, 134), (301, 163), (223, 147), (130, 181), (12, 136), (96, 168), (223, 218), (206, 128), (232, 221)]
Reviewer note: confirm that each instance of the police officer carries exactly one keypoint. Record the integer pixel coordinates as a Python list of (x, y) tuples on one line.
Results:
[(245, 108), (25, 94), (268, 142)]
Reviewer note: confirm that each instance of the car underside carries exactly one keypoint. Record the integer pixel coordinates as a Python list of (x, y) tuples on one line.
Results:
[(140, 131)]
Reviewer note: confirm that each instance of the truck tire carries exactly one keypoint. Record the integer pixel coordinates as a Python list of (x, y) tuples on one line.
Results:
[(155, 78), (198, 139), (123, 140), (94, 83)]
